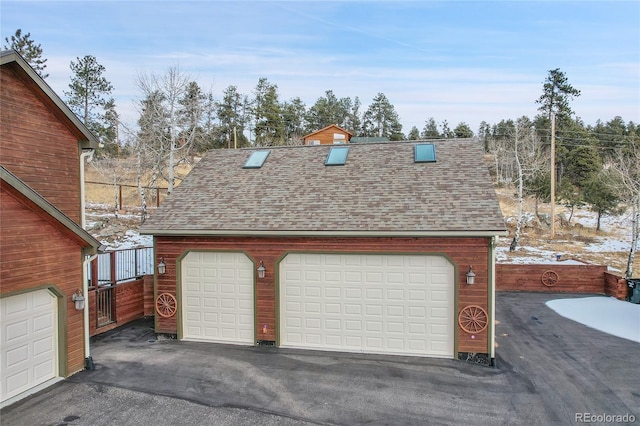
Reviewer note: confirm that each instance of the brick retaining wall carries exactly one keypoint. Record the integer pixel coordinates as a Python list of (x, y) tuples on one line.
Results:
[(560, 277)]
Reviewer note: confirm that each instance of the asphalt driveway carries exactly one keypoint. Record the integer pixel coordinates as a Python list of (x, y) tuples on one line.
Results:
[(548, 369)]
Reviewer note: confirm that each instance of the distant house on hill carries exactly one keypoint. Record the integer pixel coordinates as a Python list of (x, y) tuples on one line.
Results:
[(330, 135)]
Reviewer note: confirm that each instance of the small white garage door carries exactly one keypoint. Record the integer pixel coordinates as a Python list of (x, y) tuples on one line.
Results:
[(390, 304), (28, 341), (217, 297)]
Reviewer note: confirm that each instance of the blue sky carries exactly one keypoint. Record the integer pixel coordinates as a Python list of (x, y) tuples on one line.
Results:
[(455, 61)]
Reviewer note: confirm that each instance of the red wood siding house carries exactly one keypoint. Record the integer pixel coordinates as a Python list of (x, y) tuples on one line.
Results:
[(42, 242), (369, 255)]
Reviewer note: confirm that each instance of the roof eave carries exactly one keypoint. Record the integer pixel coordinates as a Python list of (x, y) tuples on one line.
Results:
[(289, 233), (93, 246)]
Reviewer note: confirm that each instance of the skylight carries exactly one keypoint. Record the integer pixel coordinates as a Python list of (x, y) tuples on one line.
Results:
[(425, 153), (337, 156), (256, 159)]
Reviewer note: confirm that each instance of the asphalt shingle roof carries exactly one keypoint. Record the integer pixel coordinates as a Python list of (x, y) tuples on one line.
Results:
[(379, 191)]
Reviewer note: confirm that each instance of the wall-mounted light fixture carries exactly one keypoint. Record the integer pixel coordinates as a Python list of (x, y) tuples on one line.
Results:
[(471, 277), (261, 270), (78, 299), (162, 267)]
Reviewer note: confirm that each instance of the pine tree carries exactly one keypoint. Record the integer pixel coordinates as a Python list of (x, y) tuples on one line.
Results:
[(190, 114), (31, 52), (232, 115), (381, 119), (89, 91), (269, 124), (463, 130), (556, 95), (601, 195), (430, 130), (328, 110), (414, 134), (294, 113)]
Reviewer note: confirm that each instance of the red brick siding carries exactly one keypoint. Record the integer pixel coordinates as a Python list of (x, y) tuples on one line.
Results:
[(35, 253), (37, 146), (462, 252), (615, 286)]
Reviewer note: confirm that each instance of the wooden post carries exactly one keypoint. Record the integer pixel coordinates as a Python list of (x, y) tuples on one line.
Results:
[(112, 291), (553, 176), (157, 197), (112, 264), (94, 272), (120, 197)]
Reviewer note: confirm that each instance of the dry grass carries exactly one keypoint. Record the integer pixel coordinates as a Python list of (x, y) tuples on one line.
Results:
[(105, 193), (570, 241)]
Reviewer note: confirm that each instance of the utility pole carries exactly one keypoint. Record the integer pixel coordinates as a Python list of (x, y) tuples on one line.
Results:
[(553, 176), (235, 138)]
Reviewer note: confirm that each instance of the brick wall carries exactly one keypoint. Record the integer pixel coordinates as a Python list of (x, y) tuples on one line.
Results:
[(568, 278), (615, 286), (462, 252)]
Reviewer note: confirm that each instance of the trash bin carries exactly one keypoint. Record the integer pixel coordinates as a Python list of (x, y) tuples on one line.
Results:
[(633, 290)]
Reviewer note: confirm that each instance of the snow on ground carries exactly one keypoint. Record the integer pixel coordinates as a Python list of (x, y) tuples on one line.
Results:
[(610, 246), (526, 254), (607, 314), (131, 239), (116, 233)]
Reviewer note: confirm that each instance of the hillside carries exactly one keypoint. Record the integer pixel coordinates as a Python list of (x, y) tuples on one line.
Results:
[(579, 240)]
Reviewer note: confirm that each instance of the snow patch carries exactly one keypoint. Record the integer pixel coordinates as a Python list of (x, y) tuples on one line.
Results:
[(131, 239), (609, 315), (613, 242)]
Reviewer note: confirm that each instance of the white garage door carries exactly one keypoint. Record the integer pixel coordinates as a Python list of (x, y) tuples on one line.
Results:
[(28, 341), (217, 297), (394, 304)]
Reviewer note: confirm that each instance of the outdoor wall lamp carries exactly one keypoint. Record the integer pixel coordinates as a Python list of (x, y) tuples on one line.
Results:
[(471, 277), (261, 270), (162, 267), (78, 299)]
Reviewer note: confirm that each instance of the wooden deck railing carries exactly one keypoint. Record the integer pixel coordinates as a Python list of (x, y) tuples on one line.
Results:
[(118, 266), (110, 303)]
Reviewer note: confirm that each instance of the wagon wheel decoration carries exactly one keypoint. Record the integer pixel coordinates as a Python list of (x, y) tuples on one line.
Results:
[(166, 305), (473, 319), (549, 278)]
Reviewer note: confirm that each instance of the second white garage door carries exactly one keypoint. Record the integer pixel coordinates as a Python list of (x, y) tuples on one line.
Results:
[(389, 304), (217, 297)]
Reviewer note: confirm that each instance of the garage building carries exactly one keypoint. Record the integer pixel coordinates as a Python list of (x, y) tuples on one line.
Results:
[(359, 248)]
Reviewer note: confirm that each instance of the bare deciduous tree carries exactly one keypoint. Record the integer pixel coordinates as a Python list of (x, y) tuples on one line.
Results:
[(164, 137), (625, 166), (529, 161)]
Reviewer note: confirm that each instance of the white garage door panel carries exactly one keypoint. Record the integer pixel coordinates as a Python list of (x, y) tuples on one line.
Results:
[(399, 304), (217, 297), (28, 342)]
